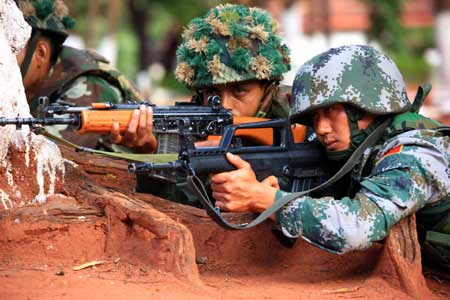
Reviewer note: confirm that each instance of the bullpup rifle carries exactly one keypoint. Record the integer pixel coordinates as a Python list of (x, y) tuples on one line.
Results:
[(298, 166)]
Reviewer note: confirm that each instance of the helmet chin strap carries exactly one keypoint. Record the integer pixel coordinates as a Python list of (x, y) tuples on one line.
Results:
[(270, 91), (357, 135), (29, 53)]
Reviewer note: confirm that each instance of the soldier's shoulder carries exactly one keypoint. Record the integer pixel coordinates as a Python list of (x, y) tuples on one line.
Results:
[(281, 105), (94, 88), (412, 148), (82, 54)]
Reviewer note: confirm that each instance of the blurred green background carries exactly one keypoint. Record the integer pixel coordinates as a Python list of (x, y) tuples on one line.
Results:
[(147, 32)]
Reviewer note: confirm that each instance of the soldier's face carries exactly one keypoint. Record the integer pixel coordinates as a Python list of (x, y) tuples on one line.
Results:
[(332, 127), (39, 65), (242, 98)]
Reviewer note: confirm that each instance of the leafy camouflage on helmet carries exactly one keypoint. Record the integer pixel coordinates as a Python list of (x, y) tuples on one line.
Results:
[(358, 75), (47, 15), (231, 43)]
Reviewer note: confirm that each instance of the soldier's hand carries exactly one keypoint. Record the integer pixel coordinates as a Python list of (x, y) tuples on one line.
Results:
[(139, 132), (271, 181), (240, 191)]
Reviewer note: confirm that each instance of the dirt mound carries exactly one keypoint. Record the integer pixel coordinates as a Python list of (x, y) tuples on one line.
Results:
[(137, 246)]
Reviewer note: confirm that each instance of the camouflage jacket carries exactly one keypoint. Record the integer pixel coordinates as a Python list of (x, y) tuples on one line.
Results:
[(408, 172), (80, 77)]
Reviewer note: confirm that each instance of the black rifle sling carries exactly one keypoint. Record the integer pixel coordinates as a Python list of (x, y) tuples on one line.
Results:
[(199, 189)]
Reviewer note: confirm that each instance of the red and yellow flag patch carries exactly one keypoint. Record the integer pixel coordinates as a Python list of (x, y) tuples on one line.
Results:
[(394, 150)]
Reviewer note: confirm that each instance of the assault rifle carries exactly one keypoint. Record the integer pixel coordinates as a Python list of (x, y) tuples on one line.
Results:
[(197, 120), (99, 117), (298, 166)]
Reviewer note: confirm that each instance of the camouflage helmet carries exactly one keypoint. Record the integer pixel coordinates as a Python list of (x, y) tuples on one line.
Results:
[(231, 43), (47, 15), (358, 75)]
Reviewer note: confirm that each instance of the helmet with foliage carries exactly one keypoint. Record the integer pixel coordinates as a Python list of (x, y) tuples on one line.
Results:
[(357, 75), (231, 43), (50, 16)]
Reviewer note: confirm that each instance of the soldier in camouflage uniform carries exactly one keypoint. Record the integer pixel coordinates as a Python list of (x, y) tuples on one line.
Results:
[(345, 93), (233, 51), (64, 74)]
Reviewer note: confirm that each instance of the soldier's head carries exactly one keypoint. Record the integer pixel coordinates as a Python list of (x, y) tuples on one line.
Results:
[(346, 91), (235, 52), (49, 21)]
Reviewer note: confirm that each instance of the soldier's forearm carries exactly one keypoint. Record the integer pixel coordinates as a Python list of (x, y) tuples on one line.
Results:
[(335, 225)]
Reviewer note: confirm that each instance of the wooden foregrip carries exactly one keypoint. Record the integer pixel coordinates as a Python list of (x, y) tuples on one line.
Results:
[(101, 121)]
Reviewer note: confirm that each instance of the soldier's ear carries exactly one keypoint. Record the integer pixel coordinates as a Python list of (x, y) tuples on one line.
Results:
[(43, 52), (365, 121)]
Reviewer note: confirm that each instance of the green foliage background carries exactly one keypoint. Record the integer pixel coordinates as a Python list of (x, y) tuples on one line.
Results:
[(162, 14), (405, 45)]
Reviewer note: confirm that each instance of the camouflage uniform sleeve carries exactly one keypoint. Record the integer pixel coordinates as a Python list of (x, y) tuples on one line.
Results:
[(402, 181), (82, 92)]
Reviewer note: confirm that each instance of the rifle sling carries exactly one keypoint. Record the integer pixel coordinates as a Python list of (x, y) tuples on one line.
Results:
[(153, 158), (197, 186)]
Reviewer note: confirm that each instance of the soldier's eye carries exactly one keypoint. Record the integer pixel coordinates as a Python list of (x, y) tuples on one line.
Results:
[(238, 90), (211, 92), (329, 109)]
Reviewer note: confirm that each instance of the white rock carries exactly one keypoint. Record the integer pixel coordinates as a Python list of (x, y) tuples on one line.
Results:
[(14, 33)]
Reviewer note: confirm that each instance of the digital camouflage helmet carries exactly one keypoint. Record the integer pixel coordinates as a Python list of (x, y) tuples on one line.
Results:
[(357, 75), (231, 43)]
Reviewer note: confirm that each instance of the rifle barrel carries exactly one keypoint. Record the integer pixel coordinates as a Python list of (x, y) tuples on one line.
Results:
[(18, 121)]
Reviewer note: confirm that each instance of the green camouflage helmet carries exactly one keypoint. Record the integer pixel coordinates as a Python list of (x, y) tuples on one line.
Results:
[(47, 15), (231, 43), (359, 75)]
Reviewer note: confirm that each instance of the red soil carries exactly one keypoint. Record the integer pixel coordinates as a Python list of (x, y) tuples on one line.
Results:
[(40, 246)]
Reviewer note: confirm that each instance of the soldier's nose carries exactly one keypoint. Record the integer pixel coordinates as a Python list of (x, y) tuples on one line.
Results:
[(322, 125)]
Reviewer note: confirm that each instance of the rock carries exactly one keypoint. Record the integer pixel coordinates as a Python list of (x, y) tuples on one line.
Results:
[(31, 165)]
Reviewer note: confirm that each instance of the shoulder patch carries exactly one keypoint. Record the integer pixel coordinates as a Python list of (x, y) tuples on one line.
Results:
[(394, 150)]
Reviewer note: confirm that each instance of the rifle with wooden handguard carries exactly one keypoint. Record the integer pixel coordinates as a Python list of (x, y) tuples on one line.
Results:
[(198, 120)]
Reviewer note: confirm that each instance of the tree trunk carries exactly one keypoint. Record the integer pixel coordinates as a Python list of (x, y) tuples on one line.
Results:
[(139, 19)]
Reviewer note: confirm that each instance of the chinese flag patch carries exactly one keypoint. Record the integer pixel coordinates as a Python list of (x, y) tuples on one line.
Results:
[(395, 150)]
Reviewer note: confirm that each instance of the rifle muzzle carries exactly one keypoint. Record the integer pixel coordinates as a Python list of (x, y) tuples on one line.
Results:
[(141, 168)]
